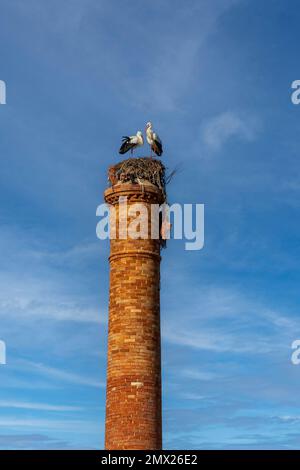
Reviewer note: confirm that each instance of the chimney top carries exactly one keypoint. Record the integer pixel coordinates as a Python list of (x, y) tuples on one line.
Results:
[(141, 171)]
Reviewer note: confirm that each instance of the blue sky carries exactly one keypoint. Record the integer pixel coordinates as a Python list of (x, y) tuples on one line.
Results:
[(214, 77)]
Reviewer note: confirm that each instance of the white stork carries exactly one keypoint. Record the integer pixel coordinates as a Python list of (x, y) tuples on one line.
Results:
[(153, 140), (131, 142)]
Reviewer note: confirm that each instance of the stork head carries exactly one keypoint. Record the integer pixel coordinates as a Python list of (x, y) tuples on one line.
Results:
[(148, 125), (139, 133)]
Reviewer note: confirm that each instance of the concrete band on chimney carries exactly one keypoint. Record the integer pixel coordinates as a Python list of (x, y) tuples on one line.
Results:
[(133, 394)]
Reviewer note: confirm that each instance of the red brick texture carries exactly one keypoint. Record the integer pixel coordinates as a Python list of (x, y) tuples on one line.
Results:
[(133, 395)]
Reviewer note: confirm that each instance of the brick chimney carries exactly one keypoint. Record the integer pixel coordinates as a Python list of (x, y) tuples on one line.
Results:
[(133, 395)]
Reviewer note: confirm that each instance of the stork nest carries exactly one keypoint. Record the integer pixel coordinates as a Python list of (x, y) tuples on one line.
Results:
[(139, 170)]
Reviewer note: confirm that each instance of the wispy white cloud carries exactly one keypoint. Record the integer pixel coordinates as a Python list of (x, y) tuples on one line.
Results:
[(79, 254), (73, 426), (198, 374), (37, 406), (226, 320), (171, 64), (229, 125), (36, 441), (45, 291), (59, 374), (73, 13), (55, 308), (216, 341), (193, 396)]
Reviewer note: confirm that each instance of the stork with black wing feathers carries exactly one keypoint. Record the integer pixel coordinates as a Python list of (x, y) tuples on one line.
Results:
[(131, 142)]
